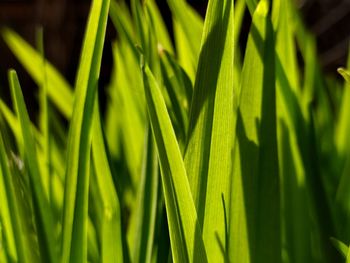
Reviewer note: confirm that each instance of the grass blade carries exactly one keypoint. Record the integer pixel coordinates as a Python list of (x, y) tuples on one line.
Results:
[(74, 243), (209, 151), (255, 208), (40, 199), (25, 247), (142, 224), (187, 39), (340, 246), (345, 73), (110, 223), (185, 234), (58, 87)]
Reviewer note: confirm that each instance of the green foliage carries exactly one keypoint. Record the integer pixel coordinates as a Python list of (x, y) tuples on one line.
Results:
[(201, 153)]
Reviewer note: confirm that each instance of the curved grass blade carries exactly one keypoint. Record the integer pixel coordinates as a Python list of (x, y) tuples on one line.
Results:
[(57, 86), (187, 38), (179, 90), (160, 28), (44, 119), (345, 74), (24, 245), (7, 237), (340, 246), (295, 219), (142, 223), (211, 129), (74, 242), (39, 198), (125, 130), (110, 218), (255, 201), (185, 234)]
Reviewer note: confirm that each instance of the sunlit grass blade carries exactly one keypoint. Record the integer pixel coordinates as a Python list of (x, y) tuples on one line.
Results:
[(26, 247), (147, 37), (110, 232), (14, 125), (255, 201), (160, 28), (45, 165), (40, 199), (252, 4), (143, 221), (7, 239), (340, 246), (343, 128), (74, 241), (125, 114), (300, 123), (240, 8), (345, 73), (295, 211), (123, 23), (285, 43), (187, 38), (208, 156), (58, 88), (179, 90), (343, 125), (185, 234)]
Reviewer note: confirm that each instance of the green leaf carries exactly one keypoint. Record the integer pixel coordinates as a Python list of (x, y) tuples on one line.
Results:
[(7, 237), (252, 4), (179, 90), (343, 125), (185, 234), (208, 156), (255, 200), (74, 243), (296, 215), (345, 74), (21, 232), (125, 130), (142, 223), (39, 198), (58, 88), (187, 38), (110, 231), (161, 31), (340, 246)]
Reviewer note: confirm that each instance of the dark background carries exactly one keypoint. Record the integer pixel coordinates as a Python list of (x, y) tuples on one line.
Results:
[(64, 24)]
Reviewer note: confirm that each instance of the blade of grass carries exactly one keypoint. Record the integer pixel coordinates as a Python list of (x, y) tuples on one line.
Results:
[(211, 129), (7, 237), (252, 4), (160, 28), (142, 223), (110, 232), (185, 234), (25, 247), (255, 201), (295, 208), (125, 131), (40, 199), (187, 38), (74, 242), (58, 88), (44, 118), (179, 90), (340, 246), (345, 74)]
